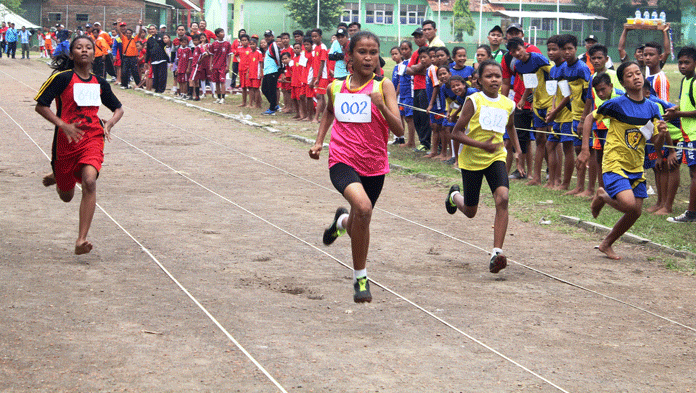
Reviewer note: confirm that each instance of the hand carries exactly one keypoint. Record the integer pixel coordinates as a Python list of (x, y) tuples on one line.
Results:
[(670, 114), (73, 132), (430, 107), (520, 169), (666, 27), (672, 161), (660, 163), (378, 100), (582, 159), (118, 20), (550, 117), (520, 105), (140, 22), (662, 127), (315, 150), (491, 147), (107, 130)]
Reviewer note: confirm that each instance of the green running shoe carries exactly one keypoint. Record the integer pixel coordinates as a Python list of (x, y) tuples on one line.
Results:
[(449, 203), (332, 233), (362, 291)]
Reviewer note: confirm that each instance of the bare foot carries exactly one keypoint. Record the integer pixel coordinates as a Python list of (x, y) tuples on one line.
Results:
[(663, 212), (430, 155), (574, 191), (409, 145), (49, 180), (534, 182), (296, 117), (598, 202), (653, 209), (82, 247), (549, 186), (560, 187), (585, 194), (608, 251)]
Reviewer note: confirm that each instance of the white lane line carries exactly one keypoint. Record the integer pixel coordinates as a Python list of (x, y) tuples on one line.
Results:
[(164, 269)]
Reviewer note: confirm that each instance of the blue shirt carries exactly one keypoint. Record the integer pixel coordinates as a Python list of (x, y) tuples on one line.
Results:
[(269, 64), (340, 69), (532, 65), (465, 72), (405, 83), (11, 35), (24, 36)]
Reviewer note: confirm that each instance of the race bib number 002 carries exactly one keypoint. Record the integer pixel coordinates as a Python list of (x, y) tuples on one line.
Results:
[(493, 119), (353, 108), (87, 94)]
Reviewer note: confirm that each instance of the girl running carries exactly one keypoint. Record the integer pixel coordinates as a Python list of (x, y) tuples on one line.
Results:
[(78, 141), (361, 111), (485, 118)]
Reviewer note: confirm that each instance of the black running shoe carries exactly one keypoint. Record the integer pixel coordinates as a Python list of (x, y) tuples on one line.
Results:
[(449, 203), (498, 262), (332, 233), (362, 291)]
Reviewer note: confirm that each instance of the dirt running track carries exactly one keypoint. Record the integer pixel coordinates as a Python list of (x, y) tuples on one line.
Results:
[(113, 320)]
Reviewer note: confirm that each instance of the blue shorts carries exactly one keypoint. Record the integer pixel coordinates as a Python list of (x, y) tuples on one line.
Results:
[(615, 183), (601, 136), (406, 111), (687, 157), (446, 123), (540, 118), (437, 119), (651, 156), (563, 132), (577, 135)]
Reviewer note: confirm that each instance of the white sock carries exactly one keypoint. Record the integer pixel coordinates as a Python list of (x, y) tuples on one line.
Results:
[(359, 274), (453, 194), (212, 89), (339, 223), (497, 251)]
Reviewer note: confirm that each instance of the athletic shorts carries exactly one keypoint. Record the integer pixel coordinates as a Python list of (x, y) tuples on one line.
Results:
[(651, 156), (615, 183), (243, 78), (539, 120), (600, 138), (286, 86), (446, 123), (342, 175), (406, 111), (308, 91), (199, 73), (182, 77), (437, 119), (253, 83), (496, 176), (577, 135), (68, 171), (150, 71), (321, 86), (563, 132), (687, 156), (218, 75), (295, 92)]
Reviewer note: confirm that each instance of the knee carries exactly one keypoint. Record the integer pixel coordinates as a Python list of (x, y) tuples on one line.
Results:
[(362, 212), (501, 201), (89, 185), (66, 196)]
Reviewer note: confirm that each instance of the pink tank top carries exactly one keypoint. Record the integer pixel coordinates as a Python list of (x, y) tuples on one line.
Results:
[(362, 146)]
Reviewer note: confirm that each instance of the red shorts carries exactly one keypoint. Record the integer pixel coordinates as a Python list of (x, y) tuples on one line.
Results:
[(286, 86), (149, 72), (68, 170), (243, 78), (307, 91), (218, 75), (181, 77), (295, 93), (117, 61), (254, 83), (199, 73), (321, 86)]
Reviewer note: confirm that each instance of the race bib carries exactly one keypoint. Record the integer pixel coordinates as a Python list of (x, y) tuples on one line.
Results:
[(455, 105), (551, 87), (87, 94), (493, 119), (530, 81), (402, 68), (565, 88), (353, 108), (647, 130)]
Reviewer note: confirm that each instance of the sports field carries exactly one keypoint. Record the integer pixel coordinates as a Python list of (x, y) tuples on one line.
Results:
[(208, 274)]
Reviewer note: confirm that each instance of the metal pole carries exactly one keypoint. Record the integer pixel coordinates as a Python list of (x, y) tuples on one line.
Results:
[(67, 18), (359, 11), (439, 23), (480, 26), (520, 19), (104, 18), (398, 21), (558, 16), (317, 14)]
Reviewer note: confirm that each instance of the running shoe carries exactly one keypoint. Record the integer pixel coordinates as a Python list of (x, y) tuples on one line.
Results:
[(332, 233), (451, 161), (449, 203), (362, 291), (498, 262), (421, 148), (269, 112), (398, 141), (687, 216), (222, 101), (516, 175)]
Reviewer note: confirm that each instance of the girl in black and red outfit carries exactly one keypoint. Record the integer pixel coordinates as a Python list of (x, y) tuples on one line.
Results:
[(78, 141)]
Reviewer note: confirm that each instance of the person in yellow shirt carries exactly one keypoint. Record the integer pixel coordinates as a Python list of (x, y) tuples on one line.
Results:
[(485, 118)]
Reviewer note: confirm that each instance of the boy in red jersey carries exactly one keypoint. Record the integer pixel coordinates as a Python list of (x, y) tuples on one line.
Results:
[(221, 51), (243, 52), (296, 82), (195, 70), (308, 93), (254, 75), (320, 56), (183, 60)]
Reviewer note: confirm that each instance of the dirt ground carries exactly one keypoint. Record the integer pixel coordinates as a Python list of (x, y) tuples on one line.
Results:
[(235, 214)]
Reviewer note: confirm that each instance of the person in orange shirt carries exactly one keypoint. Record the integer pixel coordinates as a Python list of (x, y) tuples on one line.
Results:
[(129, 59), (101, 48)]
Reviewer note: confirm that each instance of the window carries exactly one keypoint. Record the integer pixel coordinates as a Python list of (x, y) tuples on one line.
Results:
[(547, 24), (350, 13), (566, 24), (577, 25), (54, 16), (82, 17), (536, 22), (381, 14), (598, 25), (412, 14)]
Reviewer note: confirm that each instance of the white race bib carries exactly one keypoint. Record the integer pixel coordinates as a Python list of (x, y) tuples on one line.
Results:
[(87, 94), (353, 108), (551, 87), (402, 68), (647, 130), (493, 119), (530, 81), (565, 88)]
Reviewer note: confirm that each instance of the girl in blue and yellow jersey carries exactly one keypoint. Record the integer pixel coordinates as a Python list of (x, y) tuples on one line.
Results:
[(485, 117), (633, 120)]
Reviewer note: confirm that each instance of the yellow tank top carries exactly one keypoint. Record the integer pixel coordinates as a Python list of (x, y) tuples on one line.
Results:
[(490, 118)]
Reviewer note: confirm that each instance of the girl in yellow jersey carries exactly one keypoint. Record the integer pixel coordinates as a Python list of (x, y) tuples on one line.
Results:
[(485, 118)]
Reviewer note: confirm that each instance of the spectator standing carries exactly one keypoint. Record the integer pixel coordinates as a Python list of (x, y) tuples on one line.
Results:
[(271, 72), (11, 39), (158, 59), (3, 30), (24, 36)]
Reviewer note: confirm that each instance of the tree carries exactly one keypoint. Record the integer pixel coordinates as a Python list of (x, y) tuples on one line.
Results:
[(462, 20), (14, 6), (305, 12)]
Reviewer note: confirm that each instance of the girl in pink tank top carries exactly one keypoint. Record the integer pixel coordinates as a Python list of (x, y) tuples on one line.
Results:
[(361, 110)]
